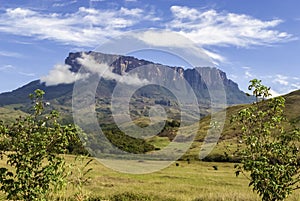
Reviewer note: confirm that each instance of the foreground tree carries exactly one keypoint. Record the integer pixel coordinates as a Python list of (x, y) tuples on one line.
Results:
[(32, 145), (268, 151)]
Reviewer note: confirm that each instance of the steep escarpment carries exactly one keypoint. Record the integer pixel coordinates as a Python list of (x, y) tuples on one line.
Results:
[(201, 79)]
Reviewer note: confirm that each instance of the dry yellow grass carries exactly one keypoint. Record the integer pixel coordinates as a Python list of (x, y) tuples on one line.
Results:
[(185, 182)]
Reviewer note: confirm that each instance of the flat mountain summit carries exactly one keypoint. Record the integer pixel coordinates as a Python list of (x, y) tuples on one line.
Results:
[(199, 78)]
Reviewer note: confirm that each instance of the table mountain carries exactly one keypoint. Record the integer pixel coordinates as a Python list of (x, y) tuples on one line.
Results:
[(124, 64)]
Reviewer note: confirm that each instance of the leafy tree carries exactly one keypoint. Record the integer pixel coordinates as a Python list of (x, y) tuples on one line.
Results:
[(32, 145), (268, 151)]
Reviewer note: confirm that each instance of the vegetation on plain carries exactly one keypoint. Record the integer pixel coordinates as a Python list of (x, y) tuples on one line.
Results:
[(35, 164)]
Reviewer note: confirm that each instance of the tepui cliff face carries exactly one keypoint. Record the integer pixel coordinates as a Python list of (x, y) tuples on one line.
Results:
[(199, 78)]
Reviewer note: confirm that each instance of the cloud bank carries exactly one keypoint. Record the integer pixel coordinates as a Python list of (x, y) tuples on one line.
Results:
[(219, 28), (88, 26)]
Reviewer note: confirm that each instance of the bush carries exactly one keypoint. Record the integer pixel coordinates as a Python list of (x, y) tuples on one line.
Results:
[(128, 196), (34, 142), (220, 158), (125, 142)]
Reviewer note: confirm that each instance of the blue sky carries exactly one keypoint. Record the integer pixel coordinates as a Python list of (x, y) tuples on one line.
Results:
[(245, 38)]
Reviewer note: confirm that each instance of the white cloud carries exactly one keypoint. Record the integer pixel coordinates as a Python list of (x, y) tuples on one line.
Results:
[(173, 42), (281, 84), (27, 74), (296, 85), (104, 70), (162, 38), (12, 69), (6, 68), (215, 56), (275, 93), (132, 12), (86, 27), (219, 28), (281, 79), (247, 72), (210, 27), (63, 4), (19, 12), (10, 54), (61, 74)]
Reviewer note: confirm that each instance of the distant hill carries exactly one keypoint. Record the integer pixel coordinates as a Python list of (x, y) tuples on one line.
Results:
[(8, 114)]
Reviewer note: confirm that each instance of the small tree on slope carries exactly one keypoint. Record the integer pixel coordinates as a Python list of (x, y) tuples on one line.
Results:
[(268, 152)]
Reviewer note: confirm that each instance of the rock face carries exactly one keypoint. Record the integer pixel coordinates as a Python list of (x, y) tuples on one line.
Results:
[(199, 78)]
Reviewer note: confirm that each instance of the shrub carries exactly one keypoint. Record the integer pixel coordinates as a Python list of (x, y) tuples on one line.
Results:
[(34, 142), (128, 196)]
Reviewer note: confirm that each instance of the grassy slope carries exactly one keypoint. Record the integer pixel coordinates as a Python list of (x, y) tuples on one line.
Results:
[(8, 113), (292, 109), (229, 133)]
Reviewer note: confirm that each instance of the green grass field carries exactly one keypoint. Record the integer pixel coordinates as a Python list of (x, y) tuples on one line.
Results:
[(196, 181)]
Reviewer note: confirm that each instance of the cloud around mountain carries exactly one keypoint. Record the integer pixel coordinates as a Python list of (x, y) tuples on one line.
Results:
[(62, 74)]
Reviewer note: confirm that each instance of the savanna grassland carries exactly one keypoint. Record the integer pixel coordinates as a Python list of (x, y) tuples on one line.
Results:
[(196, 181), (186, 180)]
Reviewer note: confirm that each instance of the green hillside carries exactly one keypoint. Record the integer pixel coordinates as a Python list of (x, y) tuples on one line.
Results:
[(9, 113), (228, 138), (226, 142)]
